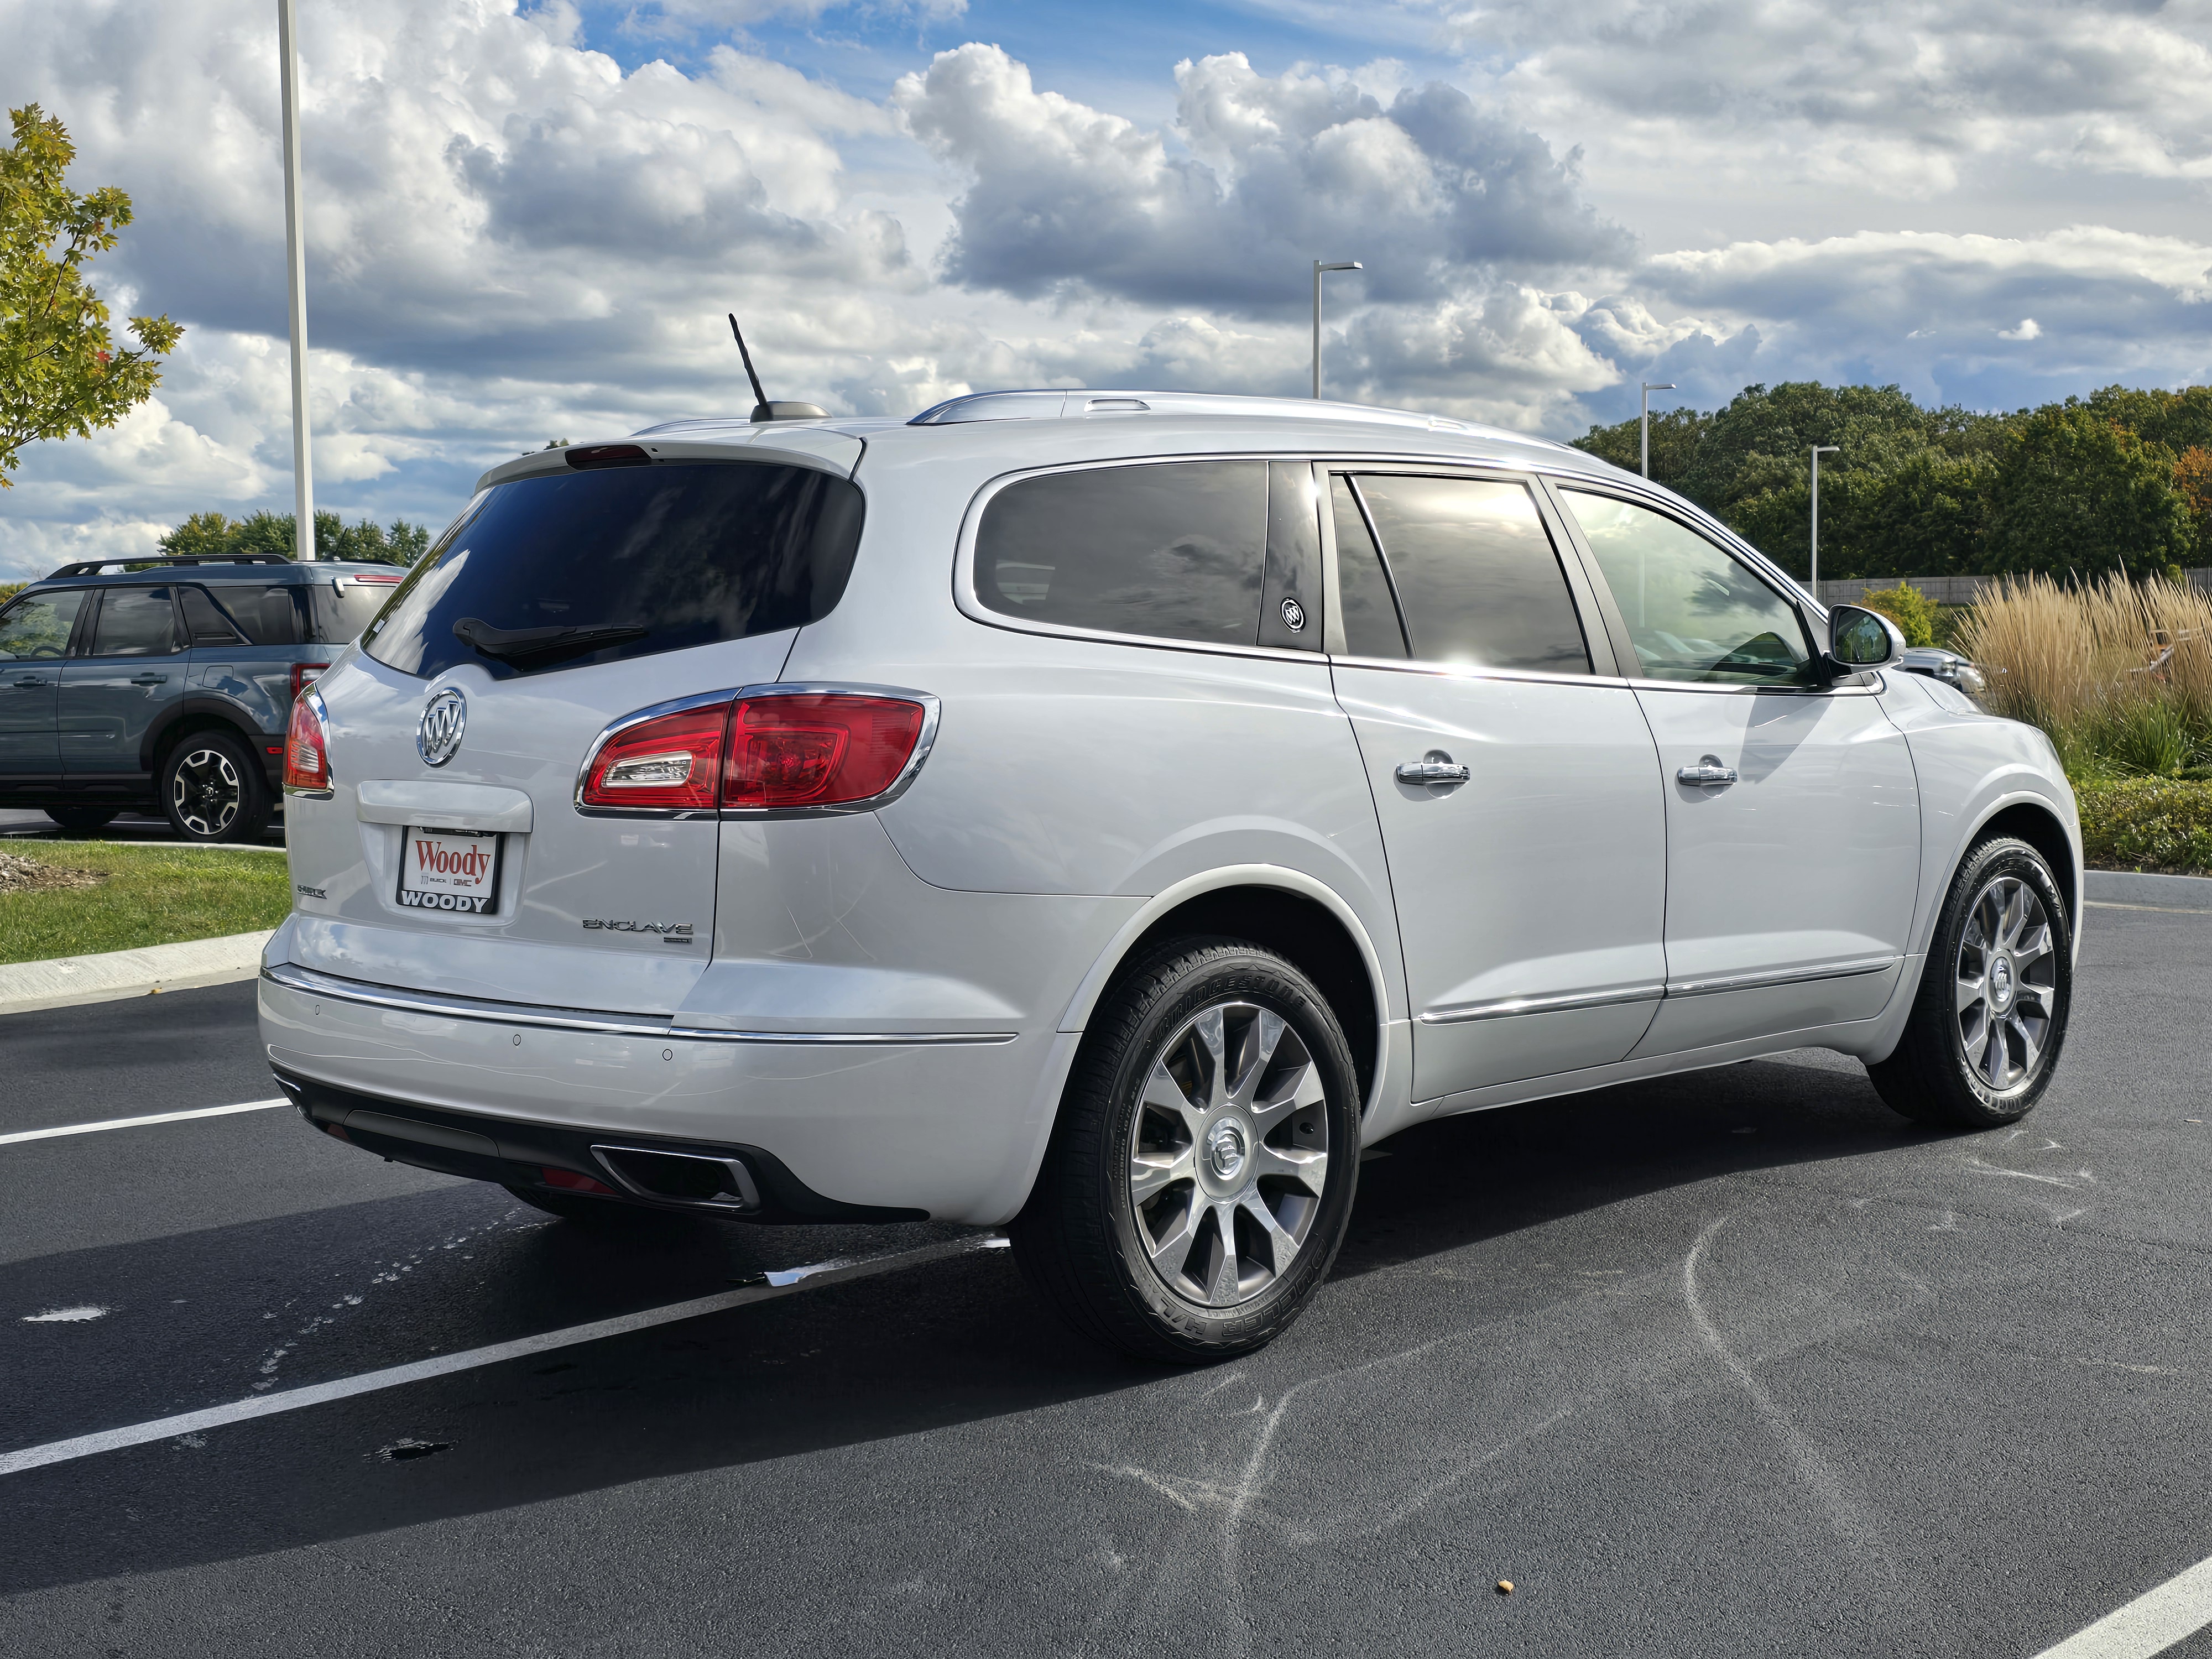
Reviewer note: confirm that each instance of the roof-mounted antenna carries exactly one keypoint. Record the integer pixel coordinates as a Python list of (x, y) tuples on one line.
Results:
[(763, 409)]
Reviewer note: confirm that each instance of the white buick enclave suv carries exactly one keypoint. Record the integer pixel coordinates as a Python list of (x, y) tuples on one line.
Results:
[(1105, 815)]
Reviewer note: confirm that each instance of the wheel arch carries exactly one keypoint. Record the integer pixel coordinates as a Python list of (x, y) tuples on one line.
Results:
[(196, 714), (1284, 910), (2031, 819)]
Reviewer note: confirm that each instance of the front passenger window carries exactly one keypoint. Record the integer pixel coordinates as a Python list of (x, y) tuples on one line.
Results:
[(38, 626), (1694, 611)]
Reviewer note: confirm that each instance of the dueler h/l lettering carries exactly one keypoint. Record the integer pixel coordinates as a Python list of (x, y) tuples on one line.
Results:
[(1104, 815)]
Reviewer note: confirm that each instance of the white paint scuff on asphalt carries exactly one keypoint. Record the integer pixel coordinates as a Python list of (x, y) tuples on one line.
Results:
[(292, 1400), (67, 1316), (21, 1135), (2152, 1623)]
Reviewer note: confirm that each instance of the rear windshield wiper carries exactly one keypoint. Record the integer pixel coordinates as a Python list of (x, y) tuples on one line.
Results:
[(523, 644)]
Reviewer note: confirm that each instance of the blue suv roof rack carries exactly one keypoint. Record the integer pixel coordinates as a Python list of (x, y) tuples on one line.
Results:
[(94, 566)]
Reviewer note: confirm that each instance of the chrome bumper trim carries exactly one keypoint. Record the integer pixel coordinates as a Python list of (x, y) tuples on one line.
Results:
[(1509, 1006), (1702, 988), (310, 982)]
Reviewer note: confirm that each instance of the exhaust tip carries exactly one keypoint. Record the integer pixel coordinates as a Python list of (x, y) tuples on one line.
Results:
[(686, 1178)]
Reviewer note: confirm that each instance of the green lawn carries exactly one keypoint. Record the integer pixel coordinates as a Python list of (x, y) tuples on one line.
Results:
[(149, 895)]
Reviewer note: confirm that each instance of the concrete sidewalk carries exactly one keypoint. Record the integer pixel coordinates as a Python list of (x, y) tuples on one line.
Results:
[(66, 980)]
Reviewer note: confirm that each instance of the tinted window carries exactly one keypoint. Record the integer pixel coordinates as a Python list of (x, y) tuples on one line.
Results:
[(592, 567), (204, 622), (1694, 611), (341, 610), (38, 624), (135, 622), (266, 614), (1174, 551), (1475, 572), (1371, 615), (1291, 604)]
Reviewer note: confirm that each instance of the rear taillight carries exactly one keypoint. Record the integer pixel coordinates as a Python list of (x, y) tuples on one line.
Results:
[(667, 761), (306, 760), (769, 751), (817, 749), (304, 674)]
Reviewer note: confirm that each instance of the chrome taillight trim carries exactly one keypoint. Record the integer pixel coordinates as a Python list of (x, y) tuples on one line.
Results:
[(930, 714)]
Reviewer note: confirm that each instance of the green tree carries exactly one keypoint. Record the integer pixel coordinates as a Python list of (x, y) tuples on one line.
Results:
[(210, 534), (206, 534), (1675, 435), (61, 374), (2076, 492)]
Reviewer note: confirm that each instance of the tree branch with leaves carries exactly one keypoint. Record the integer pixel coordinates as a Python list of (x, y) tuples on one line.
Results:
[(61, 373)]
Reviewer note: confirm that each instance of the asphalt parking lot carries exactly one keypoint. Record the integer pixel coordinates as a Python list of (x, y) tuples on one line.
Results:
[(1735, 1364)]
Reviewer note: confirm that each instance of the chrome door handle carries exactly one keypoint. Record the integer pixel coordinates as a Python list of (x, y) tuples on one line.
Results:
[(31, 685), (1435, 767), (1707, 773), (148, 679)]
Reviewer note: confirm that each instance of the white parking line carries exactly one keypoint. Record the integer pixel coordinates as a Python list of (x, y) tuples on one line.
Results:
[(2150, 1624), (268, 1405), (136, 1122)]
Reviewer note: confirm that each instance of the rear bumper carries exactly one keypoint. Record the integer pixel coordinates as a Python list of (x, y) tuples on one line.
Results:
[(869, 1126)]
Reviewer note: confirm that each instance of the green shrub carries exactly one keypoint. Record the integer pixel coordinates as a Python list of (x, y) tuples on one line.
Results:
[(2150, 740), (1913, 611), (2147, 824)]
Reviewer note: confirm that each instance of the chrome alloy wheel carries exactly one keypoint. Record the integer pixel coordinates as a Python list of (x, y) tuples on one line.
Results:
[(207, 791), (2006, 983), (1230, 1156)]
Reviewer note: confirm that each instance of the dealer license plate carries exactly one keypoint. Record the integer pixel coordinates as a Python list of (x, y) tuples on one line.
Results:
[(449, 870)]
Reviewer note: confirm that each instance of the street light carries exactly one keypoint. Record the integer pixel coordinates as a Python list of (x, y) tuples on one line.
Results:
[(1813, 580), (295, 272), (1343, 265), (1650, 387)]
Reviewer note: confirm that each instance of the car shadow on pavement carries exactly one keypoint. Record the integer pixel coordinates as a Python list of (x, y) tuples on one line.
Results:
[(838, 1368)]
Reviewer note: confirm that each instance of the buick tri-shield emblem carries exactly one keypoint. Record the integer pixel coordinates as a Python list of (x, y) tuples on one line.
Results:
[(438, 740), (1294, 615)]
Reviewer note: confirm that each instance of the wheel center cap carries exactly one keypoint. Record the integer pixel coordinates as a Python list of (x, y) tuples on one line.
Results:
[(1226, 1151), (2001, 982)]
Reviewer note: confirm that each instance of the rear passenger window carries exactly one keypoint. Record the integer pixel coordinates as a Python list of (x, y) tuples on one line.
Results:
[(135, 622), (267, 615), (1176, 551), (1477, 578), (205, 622), (1371, 615)]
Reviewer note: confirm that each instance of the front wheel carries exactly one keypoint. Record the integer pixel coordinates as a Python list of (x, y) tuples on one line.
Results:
[(1991, 1016), (214, 790), (1201, 1173)]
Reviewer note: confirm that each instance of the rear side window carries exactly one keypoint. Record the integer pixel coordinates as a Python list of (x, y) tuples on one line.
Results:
[(36, 627), (342, 609), (1176, 551), (1370, 614), (204, 622), (135, 622), (266, 613), (565, 570)]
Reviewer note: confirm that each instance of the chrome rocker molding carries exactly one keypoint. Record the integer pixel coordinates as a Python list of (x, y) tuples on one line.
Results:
[(899, 784), (1506, 1007), (309, 982)]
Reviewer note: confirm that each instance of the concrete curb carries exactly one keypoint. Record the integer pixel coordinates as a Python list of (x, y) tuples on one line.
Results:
[(2160, 892), (64, 981)]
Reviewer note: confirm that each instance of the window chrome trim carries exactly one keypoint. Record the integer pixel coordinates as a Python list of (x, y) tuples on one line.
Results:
[(1701, 987), (1506, 1007), (309, 982), (931, 711), (1457, 671)]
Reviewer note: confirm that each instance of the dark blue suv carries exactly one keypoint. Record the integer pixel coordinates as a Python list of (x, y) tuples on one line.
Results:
[(166, 684)]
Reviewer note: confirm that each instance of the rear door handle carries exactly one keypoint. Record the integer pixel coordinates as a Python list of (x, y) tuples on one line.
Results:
[(1707, 773), (1435, 767), (30, 684), (148, 679)]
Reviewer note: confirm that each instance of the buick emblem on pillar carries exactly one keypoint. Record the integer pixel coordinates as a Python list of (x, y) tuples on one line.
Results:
[(438, 739), (1294, 615)]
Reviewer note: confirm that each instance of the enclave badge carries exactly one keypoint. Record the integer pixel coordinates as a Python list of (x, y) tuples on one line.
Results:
[(445, 717)]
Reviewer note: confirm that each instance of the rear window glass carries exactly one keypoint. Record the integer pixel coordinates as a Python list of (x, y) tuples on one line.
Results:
[(565, 570), (1177, 551), (267, 614)]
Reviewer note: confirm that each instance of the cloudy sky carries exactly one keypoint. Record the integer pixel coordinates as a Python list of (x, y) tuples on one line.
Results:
[(527, 217)]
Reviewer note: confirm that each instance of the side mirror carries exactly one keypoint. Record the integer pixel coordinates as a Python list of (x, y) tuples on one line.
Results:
[(1859, 638)]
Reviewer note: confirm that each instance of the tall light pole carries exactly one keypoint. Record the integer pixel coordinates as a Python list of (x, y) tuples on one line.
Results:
[(1650, 387), (1813, 580), (1342, 264), (295, 272)]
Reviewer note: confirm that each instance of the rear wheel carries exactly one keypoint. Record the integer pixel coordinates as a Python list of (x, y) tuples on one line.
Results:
[(1202, 1170), (81, 820), (213, 789), (1987, 1025)]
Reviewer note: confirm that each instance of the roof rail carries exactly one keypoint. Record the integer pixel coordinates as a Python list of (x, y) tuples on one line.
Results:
[(1049, 404), (94, 566)]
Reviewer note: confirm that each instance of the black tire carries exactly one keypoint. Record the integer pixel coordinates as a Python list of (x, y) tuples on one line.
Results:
[(1940, 1074), (81, 820), (213, 789), (1078, 1238)]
